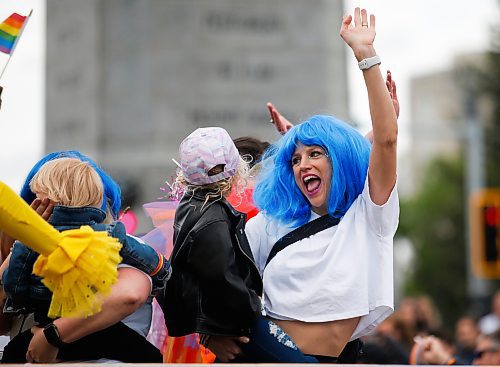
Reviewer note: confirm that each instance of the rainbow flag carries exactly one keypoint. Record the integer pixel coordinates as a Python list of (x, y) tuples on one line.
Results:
[(10, 30)]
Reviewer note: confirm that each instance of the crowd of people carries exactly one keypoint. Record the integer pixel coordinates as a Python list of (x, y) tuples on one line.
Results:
[(307, 279), (415, 334)]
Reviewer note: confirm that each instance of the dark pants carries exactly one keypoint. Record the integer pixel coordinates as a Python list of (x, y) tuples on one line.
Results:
[(350, 354), (117, 342), (270, 344)]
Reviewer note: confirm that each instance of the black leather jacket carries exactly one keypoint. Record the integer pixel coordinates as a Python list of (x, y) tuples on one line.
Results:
[(215, 285)]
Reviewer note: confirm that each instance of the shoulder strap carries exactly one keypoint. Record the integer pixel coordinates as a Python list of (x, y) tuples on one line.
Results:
[(304, 231)]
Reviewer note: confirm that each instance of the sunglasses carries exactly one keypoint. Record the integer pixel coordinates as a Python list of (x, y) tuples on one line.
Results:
[(480, 353)]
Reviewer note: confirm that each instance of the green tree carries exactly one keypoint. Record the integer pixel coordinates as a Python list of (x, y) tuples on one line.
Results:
[(490, 82), (434, 221)]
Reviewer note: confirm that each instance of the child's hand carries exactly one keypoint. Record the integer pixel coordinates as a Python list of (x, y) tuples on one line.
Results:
[(226, 348), (43, 207)]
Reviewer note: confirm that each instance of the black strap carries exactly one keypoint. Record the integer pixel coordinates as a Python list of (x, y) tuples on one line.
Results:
[(304, 231)]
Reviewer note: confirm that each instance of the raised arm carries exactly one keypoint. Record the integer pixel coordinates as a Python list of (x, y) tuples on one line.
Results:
[(382, 172), (280, 122), (282, 125)]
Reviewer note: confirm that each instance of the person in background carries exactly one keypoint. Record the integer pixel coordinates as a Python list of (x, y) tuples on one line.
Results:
[(433, 350), (466, 337), (490, 323), (251, 150), (389, 344), (428, 318), (488, 350)]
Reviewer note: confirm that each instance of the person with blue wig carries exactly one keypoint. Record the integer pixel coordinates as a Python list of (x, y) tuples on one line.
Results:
[(329, 210), (112, 190), (128, 306)]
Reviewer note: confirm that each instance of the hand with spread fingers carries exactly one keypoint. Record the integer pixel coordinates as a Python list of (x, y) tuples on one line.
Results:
[(280, 122), (361, 35), (391, 87), (43, 207)]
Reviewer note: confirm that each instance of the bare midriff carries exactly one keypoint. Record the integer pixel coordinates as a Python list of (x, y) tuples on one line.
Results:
[(320, 338)]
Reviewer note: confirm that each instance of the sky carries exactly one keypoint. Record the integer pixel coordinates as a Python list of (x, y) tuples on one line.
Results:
[(414, 37), (22, 113)]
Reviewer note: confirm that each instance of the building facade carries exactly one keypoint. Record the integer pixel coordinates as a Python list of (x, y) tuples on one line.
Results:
[(127, 80)]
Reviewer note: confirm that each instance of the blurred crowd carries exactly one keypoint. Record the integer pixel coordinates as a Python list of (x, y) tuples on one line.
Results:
[(415, 334)]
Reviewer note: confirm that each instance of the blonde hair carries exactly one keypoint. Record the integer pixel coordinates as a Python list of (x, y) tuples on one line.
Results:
[(69, 182), (219, 189)]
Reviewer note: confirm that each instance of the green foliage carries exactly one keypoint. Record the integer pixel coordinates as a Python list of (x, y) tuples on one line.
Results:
[(491, 87), (434, 221)]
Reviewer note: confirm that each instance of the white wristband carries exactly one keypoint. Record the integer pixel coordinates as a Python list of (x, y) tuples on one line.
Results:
[(369, 62)]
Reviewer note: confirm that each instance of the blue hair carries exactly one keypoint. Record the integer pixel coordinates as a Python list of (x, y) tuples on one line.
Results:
[(112, 190), (276, 193)]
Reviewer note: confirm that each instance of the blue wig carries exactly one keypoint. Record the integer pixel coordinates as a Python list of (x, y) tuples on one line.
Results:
[(277, 194), (111, 189)]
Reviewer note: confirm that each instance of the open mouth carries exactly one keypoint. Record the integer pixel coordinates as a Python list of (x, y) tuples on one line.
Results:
[(312, 184)]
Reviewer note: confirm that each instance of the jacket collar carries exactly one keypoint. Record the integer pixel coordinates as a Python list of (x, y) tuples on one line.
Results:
[(201, 196), (65, 215)]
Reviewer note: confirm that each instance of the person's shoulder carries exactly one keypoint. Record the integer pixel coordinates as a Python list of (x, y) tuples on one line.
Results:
[(216, 210), (214, 213), (264, 224), (19, 247)]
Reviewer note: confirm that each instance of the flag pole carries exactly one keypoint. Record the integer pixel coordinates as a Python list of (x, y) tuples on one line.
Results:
[(15, 43)]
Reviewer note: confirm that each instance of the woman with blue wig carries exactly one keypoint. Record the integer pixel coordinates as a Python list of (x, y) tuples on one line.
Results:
[(328, 213)]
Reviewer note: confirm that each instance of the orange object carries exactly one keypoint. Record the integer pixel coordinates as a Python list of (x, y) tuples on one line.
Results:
[(243, 203), (184, 349)]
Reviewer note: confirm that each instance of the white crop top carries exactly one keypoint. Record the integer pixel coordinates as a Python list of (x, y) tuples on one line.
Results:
[(342, 272)]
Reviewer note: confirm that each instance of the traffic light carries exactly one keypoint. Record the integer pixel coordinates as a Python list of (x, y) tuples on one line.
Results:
[(485, 233)]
